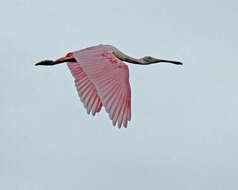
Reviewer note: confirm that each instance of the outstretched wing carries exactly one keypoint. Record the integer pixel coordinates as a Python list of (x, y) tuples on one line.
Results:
[(86, 89), (111, 79)]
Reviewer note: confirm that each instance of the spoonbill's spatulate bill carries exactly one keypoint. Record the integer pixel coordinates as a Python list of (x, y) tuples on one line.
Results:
[(102, 79)]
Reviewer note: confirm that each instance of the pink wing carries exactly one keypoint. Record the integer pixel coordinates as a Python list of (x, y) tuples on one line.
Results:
[(86, 89), (110, 77)]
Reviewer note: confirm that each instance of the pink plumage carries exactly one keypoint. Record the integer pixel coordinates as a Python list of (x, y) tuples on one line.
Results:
[(102, 79)]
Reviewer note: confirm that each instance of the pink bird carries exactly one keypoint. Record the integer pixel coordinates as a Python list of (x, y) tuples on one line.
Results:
[(102, 79)]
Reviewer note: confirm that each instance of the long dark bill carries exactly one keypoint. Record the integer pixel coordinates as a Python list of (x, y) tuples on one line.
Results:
[(58, 61), (169, 61)]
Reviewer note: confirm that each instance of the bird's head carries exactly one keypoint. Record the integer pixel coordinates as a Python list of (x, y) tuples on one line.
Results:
[(150, 60)]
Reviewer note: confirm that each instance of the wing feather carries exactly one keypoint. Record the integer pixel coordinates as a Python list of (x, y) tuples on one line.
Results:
[(95, 106), (117, 111), (106, 82), (91, 102), (85, 88), (111, 102), (122, 112), (116, 107)]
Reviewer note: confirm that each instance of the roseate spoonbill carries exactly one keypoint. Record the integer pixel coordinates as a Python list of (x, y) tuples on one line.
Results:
[(102, 79)]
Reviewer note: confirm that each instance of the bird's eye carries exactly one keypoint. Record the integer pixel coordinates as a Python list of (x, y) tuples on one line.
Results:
[(147, 58)]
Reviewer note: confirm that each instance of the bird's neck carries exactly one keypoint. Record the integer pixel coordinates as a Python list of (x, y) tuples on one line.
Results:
[(127, 58)]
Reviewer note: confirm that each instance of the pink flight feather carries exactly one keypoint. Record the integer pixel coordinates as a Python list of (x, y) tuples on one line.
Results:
[(103, 79)]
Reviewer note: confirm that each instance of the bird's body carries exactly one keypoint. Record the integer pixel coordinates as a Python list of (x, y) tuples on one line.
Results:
[(102, 79)]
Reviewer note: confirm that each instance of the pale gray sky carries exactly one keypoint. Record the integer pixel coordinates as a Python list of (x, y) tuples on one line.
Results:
[(184, 128)]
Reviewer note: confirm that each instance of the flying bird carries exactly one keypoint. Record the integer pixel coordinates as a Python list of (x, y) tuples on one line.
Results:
[(102, 79)]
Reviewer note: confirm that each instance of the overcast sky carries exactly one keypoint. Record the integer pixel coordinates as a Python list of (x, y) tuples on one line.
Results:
[(184, 128)]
